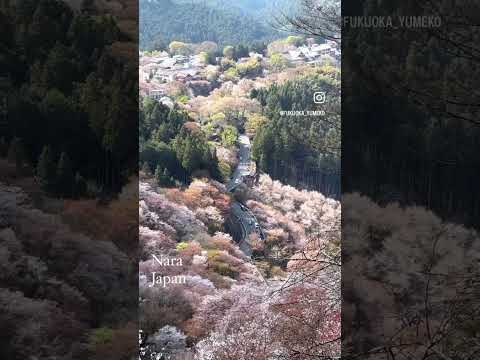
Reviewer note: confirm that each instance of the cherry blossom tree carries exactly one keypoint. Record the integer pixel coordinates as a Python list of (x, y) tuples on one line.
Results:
[(417, 291)]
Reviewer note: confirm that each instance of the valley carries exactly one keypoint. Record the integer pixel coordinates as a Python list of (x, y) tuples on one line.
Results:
[(243, 191)]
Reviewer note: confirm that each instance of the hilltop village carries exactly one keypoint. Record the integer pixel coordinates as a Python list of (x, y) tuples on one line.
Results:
[(184, 71)]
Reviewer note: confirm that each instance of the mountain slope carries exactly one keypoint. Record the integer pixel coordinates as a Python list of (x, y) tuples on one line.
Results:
[(263, 9), (164, 21)]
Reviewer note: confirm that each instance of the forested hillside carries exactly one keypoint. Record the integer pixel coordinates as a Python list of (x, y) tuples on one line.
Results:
[(427, 151), (229, 307), (257, 260), (239, 231), (262, 9), (67, 290), (301, 150), (388, 249), (69, 74), (172, 146), (164, 21)]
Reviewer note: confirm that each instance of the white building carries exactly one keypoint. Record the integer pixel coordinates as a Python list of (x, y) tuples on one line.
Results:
[(164, 76), (167, 63), (157, 94), (296, 56), (167, 102), (180, 59), (255, 55)]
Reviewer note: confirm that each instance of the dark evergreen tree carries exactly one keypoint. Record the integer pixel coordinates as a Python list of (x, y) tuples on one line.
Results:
[(146, 168), (65, 177), (164, 21), (162, 177), (189, 155), (16, 153), (58, 61), (3, 147), (46, 169), (159, 175), (240, 51), (302, 151), (167, 178), (80, 188)]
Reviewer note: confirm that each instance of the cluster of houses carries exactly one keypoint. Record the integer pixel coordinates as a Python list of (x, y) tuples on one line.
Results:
[(313, 53), (158, 70), (163, 68)]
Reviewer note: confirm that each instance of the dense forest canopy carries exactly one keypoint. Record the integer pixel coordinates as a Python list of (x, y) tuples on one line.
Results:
[(302, 151), (68, 123), (164, 21), (67, 87), (262, 9), (427, 151), (171, 145)]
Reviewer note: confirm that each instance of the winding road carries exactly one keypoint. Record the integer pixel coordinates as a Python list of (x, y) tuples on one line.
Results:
[(241, 214), (243, 167)]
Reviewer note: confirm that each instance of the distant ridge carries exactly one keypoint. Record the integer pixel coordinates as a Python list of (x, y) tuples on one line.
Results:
[(162, 21)]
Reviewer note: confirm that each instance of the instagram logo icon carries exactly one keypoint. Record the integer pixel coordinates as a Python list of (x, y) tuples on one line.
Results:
[(319, 97)]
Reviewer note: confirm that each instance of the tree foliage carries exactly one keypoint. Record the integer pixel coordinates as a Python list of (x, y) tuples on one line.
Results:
[(68, 90), (300, 150), (46, 169), (413, 126), (56, 283), (171, 141), (166, 21)]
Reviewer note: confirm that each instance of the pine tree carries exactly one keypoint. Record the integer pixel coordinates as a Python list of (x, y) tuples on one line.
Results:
[(189, 155), (162, 177), (163, 132), (168, 179), (65, 178), (166, 173), (3, 147), (11, 153), (159, 175), (16, 153), (146, 168), (80, 185), (46, 169), (214, 165)]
